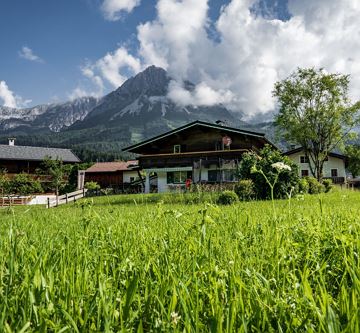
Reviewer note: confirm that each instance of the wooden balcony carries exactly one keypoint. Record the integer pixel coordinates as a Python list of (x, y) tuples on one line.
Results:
[(189, 158)]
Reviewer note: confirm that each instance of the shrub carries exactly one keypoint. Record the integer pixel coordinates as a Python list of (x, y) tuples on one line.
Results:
[(92, 186), (227, 198), (23, 184), (328, 184), (303, 186), (286, 181), (314, 186), (245, 189)]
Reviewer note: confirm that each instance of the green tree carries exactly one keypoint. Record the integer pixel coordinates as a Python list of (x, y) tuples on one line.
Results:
[(57, 171), (353, 154), (316, 113)]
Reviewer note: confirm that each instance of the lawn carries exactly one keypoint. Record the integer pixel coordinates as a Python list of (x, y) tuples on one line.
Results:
[(152, 263)]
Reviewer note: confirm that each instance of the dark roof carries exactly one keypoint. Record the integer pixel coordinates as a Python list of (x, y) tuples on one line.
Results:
[(299, 149), (27, 153), (203, 124), (113, 166)]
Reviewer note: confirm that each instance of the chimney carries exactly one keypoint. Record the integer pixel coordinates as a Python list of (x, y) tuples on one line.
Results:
[(12, 141)]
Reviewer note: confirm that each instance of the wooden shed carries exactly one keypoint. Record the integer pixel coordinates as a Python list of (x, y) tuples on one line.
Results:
[(117, 175)]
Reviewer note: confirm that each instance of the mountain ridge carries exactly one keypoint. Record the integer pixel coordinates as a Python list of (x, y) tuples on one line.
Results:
[(136, 110)]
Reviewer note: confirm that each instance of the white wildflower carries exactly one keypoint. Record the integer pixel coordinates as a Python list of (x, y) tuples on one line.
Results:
[(280, 166), (175, 317)]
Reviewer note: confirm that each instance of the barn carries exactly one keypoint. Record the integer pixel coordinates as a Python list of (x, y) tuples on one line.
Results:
[(115, 175), (18, 159)]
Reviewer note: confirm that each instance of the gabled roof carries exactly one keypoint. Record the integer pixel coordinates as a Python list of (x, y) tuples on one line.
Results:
[(300, 149), (202, 124), (27, 153), (112, 166)]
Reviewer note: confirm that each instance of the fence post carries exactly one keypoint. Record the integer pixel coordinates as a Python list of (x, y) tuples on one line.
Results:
[(66, 198), (83, 192), (48, 202)]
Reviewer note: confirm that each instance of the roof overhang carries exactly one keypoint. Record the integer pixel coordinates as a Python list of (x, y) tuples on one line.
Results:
[(203, 124)]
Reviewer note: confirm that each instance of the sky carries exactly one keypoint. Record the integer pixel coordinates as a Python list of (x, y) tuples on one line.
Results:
[(232, 50)]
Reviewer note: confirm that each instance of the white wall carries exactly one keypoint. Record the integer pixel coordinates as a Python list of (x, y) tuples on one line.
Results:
[(128, 174), (162, 182), (162, 177), (332, 163)]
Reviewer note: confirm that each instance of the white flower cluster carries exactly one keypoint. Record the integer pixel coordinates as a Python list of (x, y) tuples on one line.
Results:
[(280, 166)]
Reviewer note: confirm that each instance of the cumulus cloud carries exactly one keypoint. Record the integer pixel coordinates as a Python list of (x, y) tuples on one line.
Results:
[(112, 69), (113, 9), (28, 54), (7, 96), (202, 95), (11, 100), (250, 53), (112, 64)]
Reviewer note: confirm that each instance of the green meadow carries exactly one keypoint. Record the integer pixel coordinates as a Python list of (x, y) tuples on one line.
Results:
[(180, 263)]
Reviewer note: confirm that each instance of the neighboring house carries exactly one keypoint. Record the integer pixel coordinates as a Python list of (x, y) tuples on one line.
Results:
[(17, 159), (201, 152), (334, 165), (118, 175)]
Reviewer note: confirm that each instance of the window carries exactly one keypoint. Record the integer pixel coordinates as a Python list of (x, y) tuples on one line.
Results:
[(304, 159), (178, 177), (216, 176), (177, 149), (334, 172), (213, 175), (218, 145), (304, 173)]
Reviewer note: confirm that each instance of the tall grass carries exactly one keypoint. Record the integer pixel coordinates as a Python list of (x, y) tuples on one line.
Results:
[(125, 263)]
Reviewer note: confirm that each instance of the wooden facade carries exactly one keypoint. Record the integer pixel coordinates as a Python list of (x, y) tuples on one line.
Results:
[(105, 179), (115, 175)]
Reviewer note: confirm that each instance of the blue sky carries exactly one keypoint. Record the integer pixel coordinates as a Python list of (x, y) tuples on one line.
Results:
[(232, 50), (64, 34)]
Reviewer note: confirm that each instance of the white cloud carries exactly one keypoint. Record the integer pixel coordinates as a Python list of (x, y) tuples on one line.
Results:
[(112, 9), (28, 54), (7, 96), (10, 99), (202, 95), (250, 53), (113, 69), (111, 66)]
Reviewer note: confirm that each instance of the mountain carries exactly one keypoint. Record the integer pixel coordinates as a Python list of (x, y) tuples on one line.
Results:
[(141, 103), (96, 128), (53, 117)]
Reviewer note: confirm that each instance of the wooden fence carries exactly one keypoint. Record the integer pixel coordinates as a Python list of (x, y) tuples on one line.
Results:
[(14, 201), (66, 198)]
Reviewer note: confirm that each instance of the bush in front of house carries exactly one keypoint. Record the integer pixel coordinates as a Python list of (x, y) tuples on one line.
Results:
[(245, 189), (227, 198), (24, 184), (287, 181), (314, 186), (328, 184), (303, 186), (92, 187)]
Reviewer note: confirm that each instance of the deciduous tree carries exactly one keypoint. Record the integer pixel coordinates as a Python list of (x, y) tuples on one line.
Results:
[(316, 113)]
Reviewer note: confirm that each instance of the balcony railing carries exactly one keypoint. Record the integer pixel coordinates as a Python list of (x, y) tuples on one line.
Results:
[(336, 180)]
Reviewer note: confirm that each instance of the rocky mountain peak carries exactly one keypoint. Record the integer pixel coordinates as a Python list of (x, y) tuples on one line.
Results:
[(153, 80)]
